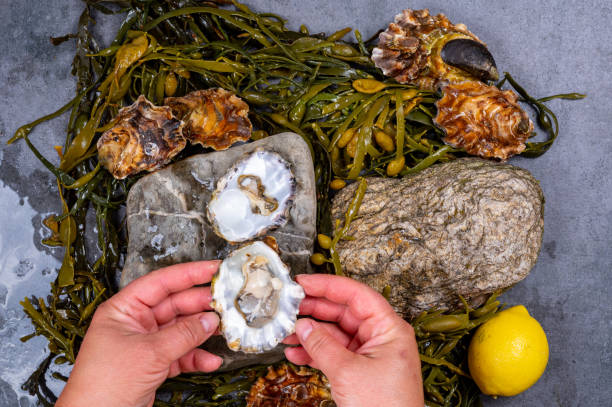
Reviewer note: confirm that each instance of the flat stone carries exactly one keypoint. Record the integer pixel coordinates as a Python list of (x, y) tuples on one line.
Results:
[(167, 223)]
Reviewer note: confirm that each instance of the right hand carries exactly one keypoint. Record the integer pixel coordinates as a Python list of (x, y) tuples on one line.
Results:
[(368, 352)]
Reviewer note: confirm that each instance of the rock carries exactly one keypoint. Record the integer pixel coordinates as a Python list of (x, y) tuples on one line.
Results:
[(465, 228), (167, 223)]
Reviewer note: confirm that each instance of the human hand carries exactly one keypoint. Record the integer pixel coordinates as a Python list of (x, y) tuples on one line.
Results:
[(368, 353), (144, 334)]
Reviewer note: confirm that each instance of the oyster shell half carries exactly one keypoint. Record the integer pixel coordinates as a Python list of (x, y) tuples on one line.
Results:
[(146, 137), (213, 117), (291, 386), (483, 120), (256, 298), (254, 196), (425, 50)]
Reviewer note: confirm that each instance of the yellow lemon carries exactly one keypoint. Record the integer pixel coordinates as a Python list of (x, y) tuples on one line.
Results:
[(508, 353)]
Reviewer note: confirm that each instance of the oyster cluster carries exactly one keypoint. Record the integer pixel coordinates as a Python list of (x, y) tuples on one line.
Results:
[(483, 120), (253, 290), (425, 50), (290, 386), (146, 137)]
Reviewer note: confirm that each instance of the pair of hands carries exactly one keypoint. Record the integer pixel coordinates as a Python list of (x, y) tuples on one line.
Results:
[(151, 329)]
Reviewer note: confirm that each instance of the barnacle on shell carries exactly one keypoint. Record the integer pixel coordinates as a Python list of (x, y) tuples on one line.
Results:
[(290, 386), (145, 137), (483, 120), (213, 117), (425, 50)]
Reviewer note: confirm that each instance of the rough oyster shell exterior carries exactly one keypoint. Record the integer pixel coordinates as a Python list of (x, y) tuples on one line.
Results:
[(291, 386), (483, 120), (214, 118), (409, 49), (228, 285), (145, 138)]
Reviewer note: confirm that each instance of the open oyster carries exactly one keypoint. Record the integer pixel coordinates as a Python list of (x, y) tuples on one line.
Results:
[(213, 117), (254, 196), (146, 137), (291, 386), (256, 298), (424, 50), (483, 120)]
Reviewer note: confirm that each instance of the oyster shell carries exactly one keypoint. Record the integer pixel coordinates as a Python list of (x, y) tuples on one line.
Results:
[(424, 50), (254, 196), (483, 120), (256, 298), (290, 386), (213, 117), (146, 137)]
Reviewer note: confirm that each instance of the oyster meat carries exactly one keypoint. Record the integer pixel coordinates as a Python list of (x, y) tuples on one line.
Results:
[(426, 50), (145, 137), (256, 298), (483, 120), (291, 386), (213, 117), (254, 196)]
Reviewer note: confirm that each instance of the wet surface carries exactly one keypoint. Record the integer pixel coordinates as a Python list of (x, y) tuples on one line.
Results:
[(549, 46)]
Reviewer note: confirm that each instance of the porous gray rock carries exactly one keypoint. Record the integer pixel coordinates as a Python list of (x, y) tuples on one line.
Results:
[(465, 228), (167, 223)]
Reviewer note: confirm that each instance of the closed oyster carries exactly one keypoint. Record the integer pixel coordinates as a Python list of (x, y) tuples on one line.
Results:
[(483, 120), (254, 196), (146, 137), (256, 298), (425, 50), (291, 386), (213, 117)]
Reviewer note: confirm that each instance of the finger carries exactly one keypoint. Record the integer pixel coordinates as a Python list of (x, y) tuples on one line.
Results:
[(363, 301), (342, 337), (324, 309), (326, 352), (298, 356), (180, 338), (190, 301), (156, 286), (199, 360)]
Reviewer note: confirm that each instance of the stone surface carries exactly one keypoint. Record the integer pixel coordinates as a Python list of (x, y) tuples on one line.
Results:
[(167, 223), (550, 46), (467, 228)]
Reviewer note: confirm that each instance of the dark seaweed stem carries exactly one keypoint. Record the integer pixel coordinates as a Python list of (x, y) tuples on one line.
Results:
[(546, 119), (311, 84)]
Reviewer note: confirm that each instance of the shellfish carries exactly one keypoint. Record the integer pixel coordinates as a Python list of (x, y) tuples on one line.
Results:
[(483, 120), (290, 386), (213, 117), (256, 298), (426, 50), (145, 137), (254, 196)]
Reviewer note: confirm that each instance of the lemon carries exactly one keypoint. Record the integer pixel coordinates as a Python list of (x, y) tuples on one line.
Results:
[(508, 353)]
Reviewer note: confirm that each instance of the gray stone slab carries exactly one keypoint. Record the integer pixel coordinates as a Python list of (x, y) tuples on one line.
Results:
[(550, 46), (167, 223)]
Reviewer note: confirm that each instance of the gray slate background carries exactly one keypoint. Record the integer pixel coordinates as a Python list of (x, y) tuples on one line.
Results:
[(549, 46)]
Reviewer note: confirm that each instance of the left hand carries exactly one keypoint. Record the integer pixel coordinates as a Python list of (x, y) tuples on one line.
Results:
[(142, 335)]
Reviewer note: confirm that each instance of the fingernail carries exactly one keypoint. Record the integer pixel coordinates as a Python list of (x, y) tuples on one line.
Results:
[(209, 321), (304, 328)]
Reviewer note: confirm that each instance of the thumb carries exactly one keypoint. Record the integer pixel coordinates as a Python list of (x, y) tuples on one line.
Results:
[(326, 352), (185, 335)]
